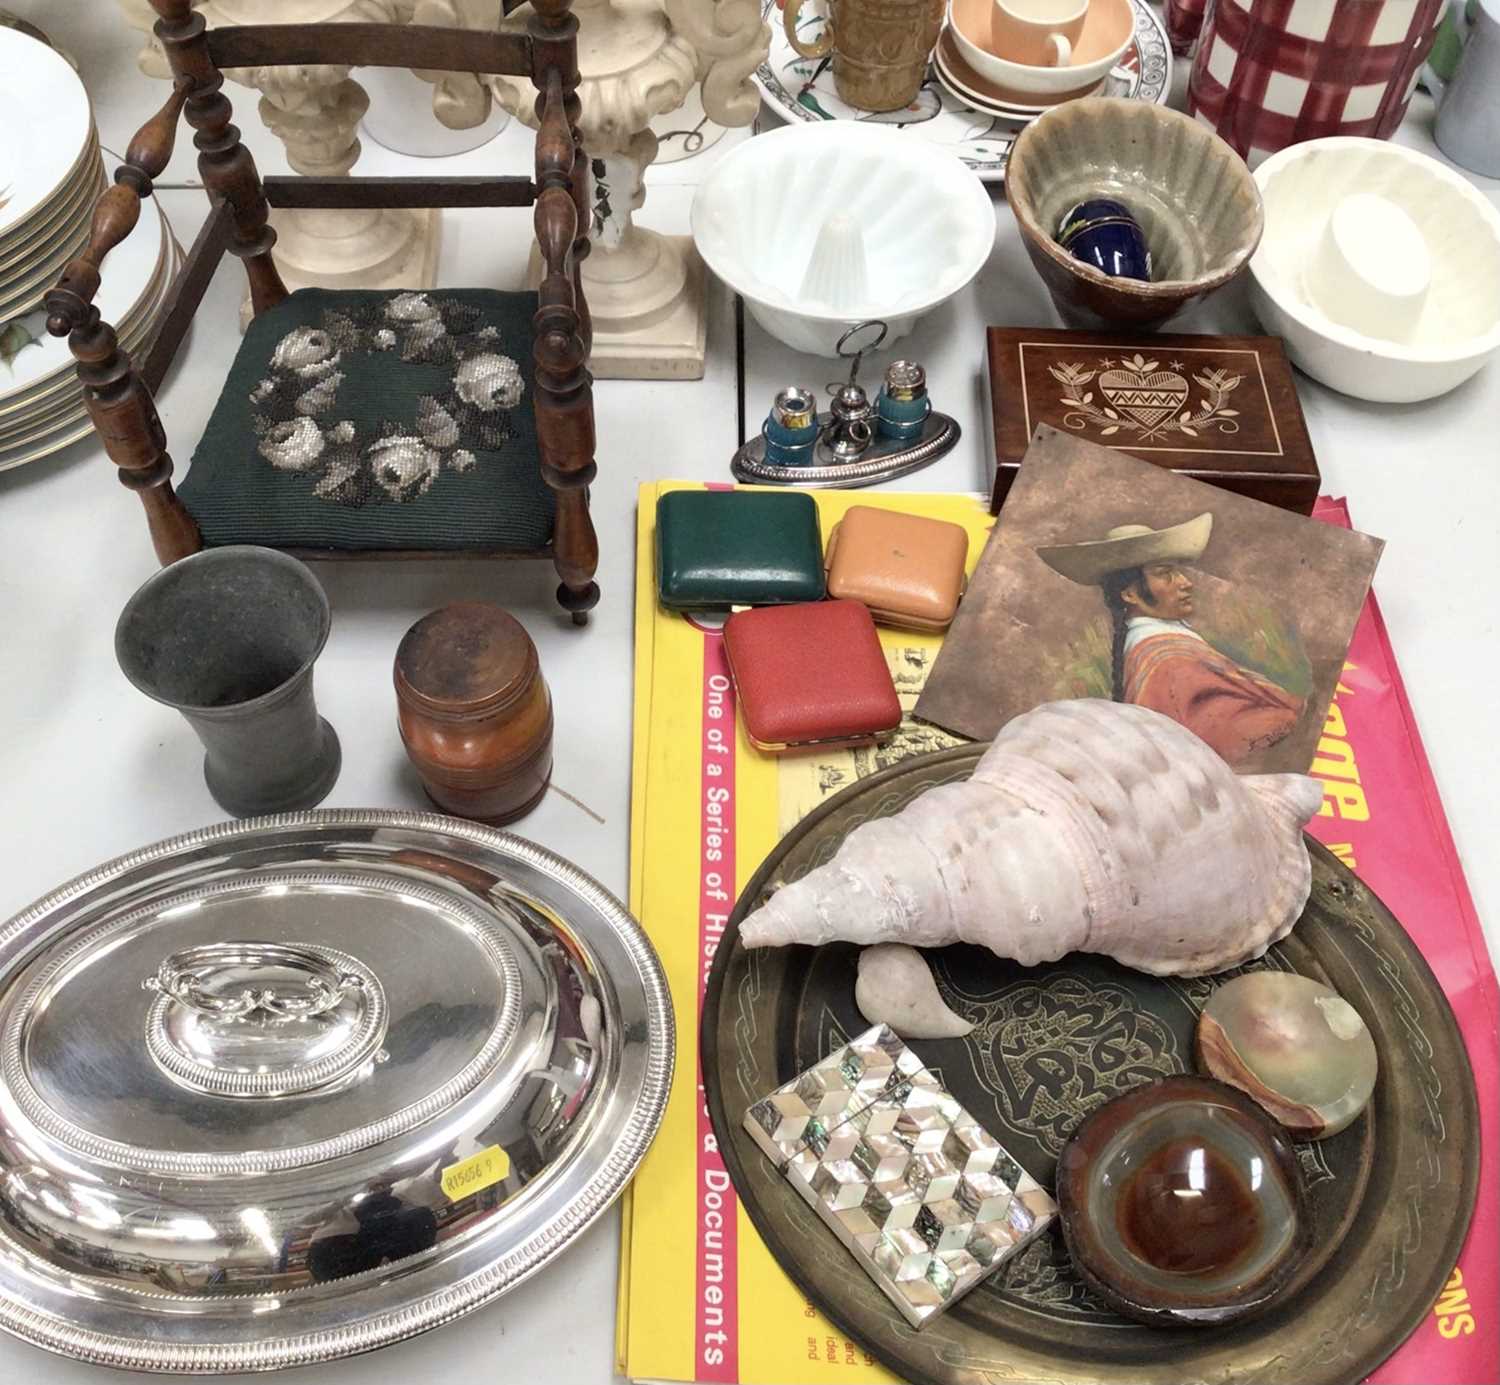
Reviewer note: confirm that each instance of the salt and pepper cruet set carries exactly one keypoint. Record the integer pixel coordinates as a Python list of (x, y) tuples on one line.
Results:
[(855, 442)]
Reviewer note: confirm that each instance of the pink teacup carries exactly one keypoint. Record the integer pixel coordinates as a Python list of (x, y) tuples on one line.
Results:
[(1037, 33)]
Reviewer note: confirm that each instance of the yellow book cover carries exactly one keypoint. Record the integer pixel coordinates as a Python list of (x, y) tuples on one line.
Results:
[(700, 1297)]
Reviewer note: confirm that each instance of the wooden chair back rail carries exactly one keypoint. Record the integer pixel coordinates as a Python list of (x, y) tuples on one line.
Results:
[(186, 293), (423, 46), (297, 191), (116, 213)]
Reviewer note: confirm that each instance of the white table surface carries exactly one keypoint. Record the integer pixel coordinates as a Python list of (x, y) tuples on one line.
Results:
[(91, 769)]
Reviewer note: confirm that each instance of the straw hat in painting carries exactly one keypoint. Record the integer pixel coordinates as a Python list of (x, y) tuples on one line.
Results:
[(1127, 546)]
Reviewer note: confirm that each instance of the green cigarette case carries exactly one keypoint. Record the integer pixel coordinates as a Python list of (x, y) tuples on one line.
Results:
[(719, 549)]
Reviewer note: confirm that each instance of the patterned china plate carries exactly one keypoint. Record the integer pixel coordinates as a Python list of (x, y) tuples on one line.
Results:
[(799, 88), (60, 418), (128, 278)]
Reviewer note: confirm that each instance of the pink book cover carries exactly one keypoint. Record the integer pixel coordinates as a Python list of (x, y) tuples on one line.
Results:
[(1381, 814)]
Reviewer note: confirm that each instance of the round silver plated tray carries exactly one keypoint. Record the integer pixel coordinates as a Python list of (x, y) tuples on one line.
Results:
[(297, 1087)]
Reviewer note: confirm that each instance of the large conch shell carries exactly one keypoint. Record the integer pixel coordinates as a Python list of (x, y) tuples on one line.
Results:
[(1088, 826)]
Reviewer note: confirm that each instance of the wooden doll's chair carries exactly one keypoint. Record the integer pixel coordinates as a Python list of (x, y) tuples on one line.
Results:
[(360, 423)]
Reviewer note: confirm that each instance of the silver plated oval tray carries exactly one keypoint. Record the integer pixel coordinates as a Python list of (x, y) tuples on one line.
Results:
[(287, 1089)]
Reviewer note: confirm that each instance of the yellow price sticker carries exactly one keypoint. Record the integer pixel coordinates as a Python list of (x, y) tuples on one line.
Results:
[(475, 1173)]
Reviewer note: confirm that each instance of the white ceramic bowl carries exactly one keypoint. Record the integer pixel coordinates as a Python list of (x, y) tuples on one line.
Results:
[(825, 225), (1458, 328), (1107, 32)]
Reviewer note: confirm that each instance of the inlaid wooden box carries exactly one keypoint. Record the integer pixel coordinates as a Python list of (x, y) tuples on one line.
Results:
[(1219, 409)]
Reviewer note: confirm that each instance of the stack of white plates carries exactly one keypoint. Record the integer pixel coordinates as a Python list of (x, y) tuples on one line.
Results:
[(50, 176), (50, 170)]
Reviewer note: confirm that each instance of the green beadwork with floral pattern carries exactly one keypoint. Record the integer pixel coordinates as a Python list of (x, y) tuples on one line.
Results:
[(361, 420)]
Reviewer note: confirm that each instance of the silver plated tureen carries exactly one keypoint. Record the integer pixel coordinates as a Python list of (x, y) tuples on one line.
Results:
[(292, 1088)]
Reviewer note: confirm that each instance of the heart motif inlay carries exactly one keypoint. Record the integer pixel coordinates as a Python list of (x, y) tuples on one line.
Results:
[(1146, 398)]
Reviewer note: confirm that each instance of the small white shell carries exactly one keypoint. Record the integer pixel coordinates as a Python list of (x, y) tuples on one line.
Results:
[(895, 987)]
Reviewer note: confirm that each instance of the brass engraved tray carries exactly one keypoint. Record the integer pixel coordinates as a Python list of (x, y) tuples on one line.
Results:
[(1392, 1195)]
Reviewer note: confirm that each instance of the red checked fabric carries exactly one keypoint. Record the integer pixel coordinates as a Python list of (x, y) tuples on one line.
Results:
[(810, 674), (1269, 73)]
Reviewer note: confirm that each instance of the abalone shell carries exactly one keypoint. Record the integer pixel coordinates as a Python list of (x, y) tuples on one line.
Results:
[(1293, 1045)]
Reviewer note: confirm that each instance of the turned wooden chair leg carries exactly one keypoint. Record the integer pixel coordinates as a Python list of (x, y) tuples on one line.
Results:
[(565, 439), (125, 418), (575, 555), (225, 165), (564, 393)]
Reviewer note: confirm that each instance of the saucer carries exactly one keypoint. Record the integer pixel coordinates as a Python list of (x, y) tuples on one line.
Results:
[(964, 82), (1109, 28)]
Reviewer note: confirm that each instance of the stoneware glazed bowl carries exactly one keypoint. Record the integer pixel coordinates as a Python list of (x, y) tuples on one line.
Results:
[(1107, 30), (820, 227), (1192, 195), (1330, 326)]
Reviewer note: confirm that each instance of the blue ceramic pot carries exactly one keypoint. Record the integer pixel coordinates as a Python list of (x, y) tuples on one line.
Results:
[(1103, 233)]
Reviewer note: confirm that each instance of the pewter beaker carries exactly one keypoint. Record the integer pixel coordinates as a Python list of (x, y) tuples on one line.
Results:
[(228, 636)]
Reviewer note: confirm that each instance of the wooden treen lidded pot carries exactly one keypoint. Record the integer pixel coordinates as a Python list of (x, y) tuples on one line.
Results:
[(474, 711)]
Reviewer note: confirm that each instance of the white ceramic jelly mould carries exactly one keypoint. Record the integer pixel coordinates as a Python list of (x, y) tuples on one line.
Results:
[(820, 227), (1458, 326)]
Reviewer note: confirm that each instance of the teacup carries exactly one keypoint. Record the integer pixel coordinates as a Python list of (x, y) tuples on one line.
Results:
[(1108, 31), (1038, 33)]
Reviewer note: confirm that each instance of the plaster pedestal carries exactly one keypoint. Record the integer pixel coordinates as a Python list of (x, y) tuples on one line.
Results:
[(650, 322), (140, 16), (315, 111), (637, 59), (686, 132), (644, 289), (392, 248)]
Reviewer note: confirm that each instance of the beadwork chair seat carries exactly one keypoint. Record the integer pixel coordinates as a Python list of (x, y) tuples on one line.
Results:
[(360, 422)]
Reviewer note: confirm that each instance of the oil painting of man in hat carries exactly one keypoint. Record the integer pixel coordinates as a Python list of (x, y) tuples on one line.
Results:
[(1110, 576), (1157, 658)]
